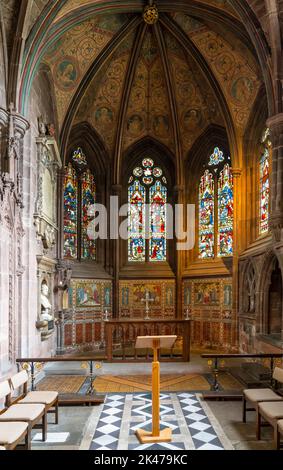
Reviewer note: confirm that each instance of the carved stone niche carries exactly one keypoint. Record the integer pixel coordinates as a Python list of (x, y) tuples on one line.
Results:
[(45, 217), (46, 301)]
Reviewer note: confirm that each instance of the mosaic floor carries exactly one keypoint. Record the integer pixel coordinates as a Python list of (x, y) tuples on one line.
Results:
[(193, 424)]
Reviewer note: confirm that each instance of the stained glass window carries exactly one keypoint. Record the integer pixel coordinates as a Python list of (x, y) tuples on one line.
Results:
[(79, 196), (216, 158), (216, 208), (225, 212), (158, 201), (88, 244), (206, 216), (70, 212), (147, 189), (136, 247), (264, 192)]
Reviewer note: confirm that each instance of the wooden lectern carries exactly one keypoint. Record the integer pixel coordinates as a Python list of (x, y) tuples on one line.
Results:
[(155, 343)]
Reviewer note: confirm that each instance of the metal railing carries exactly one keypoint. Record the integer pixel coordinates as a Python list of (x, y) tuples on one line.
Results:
[(214, 361)]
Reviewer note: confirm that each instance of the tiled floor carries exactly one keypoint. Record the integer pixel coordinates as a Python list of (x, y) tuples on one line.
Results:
[(193, 426)]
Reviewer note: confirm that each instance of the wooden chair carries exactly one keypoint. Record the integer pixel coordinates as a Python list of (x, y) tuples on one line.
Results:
[(279, 434), (32, 414), (272, 413), (13, 433), (49, 399), (259, 395)]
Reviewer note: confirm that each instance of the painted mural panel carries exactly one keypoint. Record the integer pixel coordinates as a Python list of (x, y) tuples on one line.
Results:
[(89, 299), (210, 304), (162, 299), (91, 294)]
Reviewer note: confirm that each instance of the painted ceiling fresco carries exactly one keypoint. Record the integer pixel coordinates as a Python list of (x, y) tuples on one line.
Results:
[(233, 66), (149, 111), (101, 102), (71, 56), (196, 103)]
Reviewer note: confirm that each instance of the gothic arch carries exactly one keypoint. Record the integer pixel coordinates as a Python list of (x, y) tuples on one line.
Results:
[(268, 266), (144, 148)]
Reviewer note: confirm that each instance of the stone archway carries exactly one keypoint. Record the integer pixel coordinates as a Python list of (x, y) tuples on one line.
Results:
[(274, 318), (271, 314)]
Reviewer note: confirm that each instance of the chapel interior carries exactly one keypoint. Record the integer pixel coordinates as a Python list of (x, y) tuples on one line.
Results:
[(161, 108)]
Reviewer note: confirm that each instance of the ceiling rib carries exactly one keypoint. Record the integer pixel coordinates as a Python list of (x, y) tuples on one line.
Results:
[(96, 66), (129, 79), (172, 98), (191, 49)]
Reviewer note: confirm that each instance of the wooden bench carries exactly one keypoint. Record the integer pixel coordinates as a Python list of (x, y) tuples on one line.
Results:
[(13, 433), (32, 414), (259, 395), (48, 399), (272, 412), (279, 434)]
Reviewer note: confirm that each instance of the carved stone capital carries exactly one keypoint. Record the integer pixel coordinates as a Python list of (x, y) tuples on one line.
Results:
[(237, 172), (276, 226)]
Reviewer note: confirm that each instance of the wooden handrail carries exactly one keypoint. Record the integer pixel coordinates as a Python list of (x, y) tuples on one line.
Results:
[(59, 359), (216, 357), (242, 356)]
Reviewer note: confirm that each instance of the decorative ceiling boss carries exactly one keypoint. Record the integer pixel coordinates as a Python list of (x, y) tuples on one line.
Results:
[(150, 14)]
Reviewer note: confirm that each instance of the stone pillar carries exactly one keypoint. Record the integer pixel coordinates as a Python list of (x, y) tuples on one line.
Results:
[(180, 255), (275, 125), (13, 129), (237, 173), (117, 191)]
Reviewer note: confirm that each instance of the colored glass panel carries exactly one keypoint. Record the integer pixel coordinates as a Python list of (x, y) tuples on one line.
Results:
[(147, 180), (136, 220), (264, 191), (216, 158), (158, 201), (88, 245), (70, 213), (206, 216), (148, 163), (225, 212), (79, 159), (138, 172)]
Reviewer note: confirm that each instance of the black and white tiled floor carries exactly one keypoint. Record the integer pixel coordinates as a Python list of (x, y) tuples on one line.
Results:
[(193, 425)]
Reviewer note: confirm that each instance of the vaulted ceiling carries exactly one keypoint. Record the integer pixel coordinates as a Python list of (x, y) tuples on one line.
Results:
[(196, 67), (169, 81)]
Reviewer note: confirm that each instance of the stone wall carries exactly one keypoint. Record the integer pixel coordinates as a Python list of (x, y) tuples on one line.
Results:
[(19, 245)]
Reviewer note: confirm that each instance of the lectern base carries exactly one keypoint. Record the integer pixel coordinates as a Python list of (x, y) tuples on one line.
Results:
[(147, 438)]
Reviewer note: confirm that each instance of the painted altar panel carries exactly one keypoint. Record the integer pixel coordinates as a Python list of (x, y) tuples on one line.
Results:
[(88, 301), (209, 303), (162, 294), (90, 294)]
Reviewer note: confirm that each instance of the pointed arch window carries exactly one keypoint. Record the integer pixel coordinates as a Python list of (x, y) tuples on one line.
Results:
[(79, 197), (264, 177), (216, 208), (147, 200)]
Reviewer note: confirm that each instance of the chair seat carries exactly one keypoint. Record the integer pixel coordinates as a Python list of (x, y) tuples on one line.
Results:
[(23, 412), (271, 410), (261, 394), (40, 397), (11, 432), (280, 426)]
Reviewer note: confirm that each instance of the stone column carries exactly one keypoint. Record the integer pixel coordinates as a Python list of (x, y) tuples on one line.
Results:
[(275, 125), (237, 173), (117, 191), (180, 255)]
